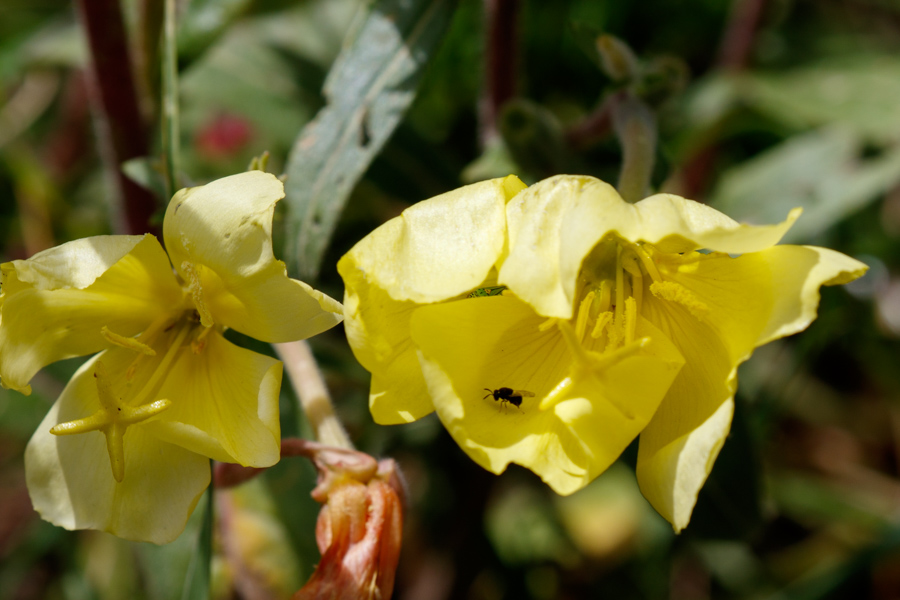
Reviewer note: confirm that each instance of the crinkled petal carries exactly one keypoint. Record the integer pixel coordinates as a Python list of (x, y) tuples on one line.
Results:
[(71, 482), (55, 303), (436, 249), (377, 328), (536, 217), (219, 237), (679, 445), (568, 438), (224, 404), (675, 224), (556, 223)]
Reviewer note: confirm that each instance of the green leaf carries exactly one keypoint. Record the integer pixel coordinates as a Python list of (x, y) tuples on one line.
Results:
[(821, 171), (197, 579), (369, 88), (859, 92)]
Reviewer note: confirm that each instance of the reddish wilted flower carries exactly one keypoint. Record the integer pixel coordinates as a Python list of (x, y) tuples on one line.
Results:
[(359, 528)]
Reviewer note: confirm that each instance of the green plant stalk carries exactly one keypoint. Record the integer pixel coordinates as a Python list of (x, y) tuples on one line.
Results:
[(310, 389), (198, 576), (635, 126)]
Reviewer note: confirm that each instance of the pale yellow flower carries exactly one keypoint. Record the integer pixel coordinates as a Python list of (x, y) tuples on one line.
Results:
[(610, 323), (126, 447), (715, 288)]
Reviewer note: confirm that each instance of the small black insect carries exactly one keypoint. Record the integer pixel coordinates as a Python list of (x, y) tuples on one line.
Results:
[(510, 395)]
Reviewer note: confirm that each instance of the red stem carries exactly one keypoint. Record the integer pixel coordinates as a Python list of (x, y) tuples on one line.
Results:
[(501, 65), (122, 132)]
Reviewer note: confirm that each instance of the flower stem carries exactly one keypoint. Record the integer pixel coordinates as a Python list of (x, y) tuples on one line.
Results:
[(122, 133), (501, 49), (310, 388), (635, 127)]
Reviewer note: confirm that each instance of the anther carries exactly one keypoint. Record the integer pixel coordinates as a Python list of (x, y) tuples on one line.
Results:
[(126, 342), (584, 310)]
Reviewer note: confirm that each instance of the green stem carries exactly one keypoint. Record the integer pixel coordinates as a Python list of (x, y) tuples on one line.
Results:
[(170, 126), (635, 126)]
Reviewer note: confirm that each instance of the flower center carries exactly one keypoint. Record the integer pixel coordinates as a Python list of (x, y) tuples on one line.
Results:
[(611, 285), (122, 405), (603, 328)]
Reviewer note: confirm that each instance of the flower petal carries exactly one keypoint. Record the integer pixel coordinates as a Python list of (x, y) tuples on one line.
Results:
[(543, 262), (377, 328), (757, 297), (224, 404), (496, 342), (675, 224), (71, 483), (538, 234), (55, 303), (439, 248), (219, 237), (679, 445)]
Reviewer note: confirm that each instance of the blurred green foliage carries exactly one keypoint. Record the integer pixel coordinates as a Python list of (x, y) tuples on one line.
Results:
[(803, 501)]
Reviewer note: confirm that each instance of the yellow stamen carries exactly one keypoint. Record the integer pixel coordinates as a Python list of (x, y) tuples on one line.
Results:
[(547, 324), (620, 285), (630, 320), (605, 295), (675, 292), (555, 395), (112, 419), (195, 286), (126, 342), (603, 319), (647, 261), (584, 310), (637, 281)]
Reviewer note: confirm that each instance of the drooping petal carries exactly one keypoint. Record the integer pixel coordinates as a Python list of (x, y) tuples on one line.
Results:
[(439, 248), (679, 445), (377, 328), (56, 303), (573, 427), (224, 404), (71, 483), (748, 301), (219, 237)]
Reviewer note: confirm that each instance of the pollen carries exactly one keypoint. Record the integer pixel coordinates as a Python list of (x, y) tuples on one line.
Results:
[(675, 292)]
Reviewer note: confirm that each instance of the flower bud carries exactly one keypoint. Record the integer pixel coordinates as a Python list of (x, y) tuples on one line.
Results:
[(359, 528)]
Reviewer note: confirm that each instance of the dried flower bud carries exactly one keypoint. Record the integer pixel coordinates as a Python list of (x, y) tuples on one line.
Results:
[(359, 528)]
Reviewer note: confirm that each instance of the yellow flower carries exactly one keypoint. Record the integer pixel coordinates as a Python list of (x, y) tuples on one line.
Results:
[(612, 323), (168, 391), (715, 288)]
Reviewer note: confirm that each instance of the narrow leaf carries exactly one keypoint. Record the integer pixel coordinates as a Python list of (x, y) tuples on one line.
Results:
[(197, 580), (368, 90)]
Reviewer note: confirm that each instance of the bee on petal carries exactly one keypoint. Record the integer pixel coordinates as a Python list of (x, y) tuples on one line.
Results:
[(509, 395)]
